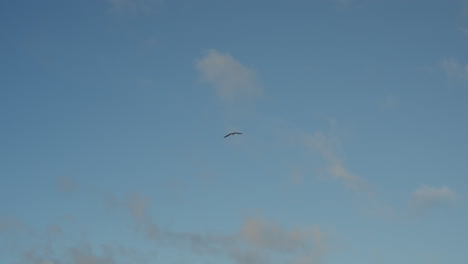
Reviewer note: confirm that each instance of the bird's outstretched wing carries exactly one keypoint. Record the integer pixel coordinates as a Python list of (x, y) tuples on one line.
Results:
[(233, 133)]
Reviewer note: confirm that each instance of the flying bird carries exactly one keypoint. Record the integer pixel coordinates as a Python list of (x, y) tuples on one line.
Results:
[(233, 133)]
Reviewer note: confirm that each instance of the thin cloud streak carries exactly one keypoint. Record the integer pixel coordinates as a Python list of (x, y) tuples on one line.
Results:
[(257, 239), (426, 198), (231, 80), (326, 146)]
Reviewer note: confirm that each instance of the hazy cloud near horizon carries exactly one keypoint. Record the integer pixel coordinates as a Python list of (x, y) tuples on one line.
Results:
[(257, 240), (426, 198)]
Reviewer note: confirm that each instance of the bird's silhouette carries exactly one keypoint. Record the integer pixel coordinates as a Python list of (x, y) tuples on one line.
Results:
[(233, 133)]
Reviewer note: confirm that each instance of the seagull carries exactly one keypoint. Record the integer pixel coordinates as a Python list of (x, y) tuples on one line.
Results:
[(233, 133)]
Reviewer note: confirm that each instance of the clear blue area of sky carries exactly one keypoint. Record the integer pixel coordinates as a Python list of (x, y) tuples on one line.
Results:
[(109, 95)]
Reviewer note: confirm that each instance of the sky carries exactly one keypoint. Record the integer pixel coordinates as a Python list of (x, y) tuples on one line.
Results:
[(353, 114)]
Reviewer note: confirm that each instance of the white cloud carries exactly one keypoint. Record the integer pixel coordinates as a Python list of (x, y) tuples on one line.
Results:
[(427, 197), (270, 236), (323, 144), (256, 242), (138, 207), (454, 70), (352, 181), (327, 146), (430, 195), (230, 79)]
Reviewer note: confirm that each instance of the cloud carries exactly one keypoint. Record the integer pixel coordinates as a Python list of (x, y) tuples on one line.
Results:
[(255, 243), (454, 70), (138, 208), (247, 256), (86, 255), (426, 198), (262, 234), (258, 240), (83, 254), (300, 245), (231, 80), (267, 240), (327, 147), (10, 224), (270, 236), (51, 250)]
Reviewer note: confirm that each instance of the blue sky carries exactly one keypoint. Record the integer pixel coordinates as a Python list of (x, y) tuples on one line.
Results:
[(113, 112)]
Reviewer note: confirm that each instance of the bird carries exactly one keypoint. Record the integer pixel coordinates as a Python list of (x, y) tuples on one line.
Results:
[(233, 133)]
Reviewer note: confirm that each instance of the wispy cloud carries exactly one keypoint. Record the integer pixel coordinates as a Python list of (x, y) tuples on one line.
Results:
[(82, 254), (327, 146), (308, 243), (138, 207), (454, 70), (230, 79), (10, 224), (270, 236), (427, 197), (255, 243), (258, 240), (86, 255), (55, 245)]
